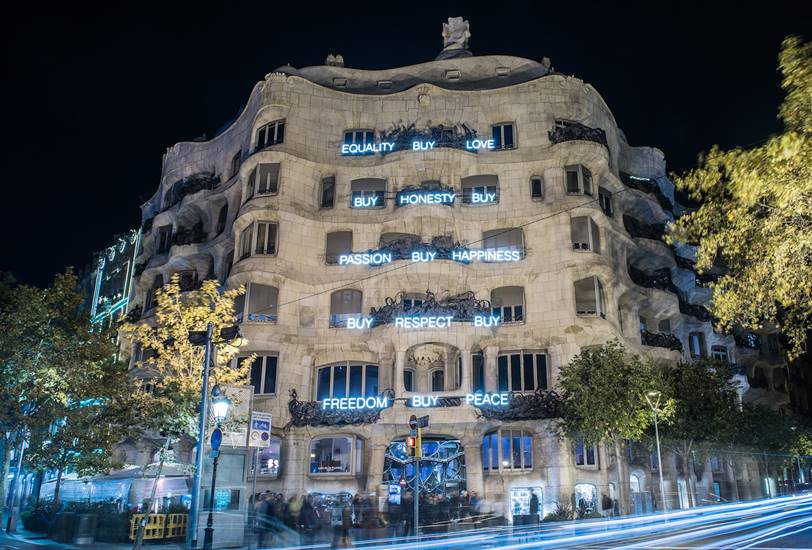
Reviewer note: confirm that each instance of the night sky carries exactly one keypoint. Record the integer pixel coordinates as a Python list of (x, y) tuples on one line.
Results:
[(94, 95)]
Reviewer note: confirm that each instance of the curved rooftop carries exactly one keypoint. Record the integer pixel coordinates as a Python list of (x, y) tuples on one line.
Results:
[(462, 73)]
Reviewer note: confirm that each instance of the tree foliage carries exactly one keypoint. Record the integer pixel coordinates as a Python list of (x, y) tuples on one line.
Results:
[(173, 364), (59, 380), (755, 215)]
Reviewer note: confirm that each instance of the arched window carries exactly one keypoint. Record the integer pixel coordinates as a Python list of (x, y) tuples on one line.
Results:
[(338, 243), (589, 297), (344, 304), (508, 303), (346, 379), (507, 450), (586, 455), (438, 380), (586, 498)]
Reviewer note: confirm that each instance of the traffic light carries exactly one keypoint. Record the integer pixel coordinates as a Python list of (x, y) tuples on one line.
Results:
[(411, 445)]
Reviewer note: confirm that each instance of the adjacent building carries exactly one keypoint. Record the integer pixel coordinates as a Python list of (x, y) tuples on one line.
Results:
[(437, 240)]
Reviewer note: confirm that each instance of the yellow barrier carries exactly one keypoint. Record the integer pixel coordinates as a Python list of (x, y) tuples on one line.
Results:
[(160, 526)]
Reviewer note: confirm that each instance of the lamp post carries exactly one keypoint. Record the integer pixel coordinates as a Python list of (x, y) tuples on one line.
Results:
[(653, 399), (203, 338), (219, 407)]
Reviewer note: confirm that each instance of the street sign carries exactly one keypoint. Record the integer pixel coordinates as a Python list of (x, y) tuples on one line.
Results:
[(423, 421), (259, 433), (413, 422), (216, 439)]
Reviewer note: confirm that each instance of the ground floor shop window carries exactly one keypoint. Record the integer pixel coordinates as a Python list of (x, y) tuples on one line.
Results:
[(507, 450), (586, 498), (523, 503), (269, 458), (331, 455)]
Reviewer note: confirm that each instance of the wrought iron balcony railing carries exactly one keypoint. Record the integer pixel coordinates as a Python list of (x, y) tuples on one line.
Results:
[(638, 229), (572, 131), (694, 310), (660, 340), (648, 186), (660, 279)]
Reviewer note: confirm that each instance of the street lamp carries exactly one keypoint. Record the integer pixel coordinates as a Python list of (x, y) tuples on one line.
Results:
[(219, 406), (653, 398), (204, 338)]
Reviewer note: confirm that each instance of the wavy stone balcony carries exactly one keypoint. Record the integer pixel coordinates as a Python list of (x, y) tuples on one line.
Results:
[(649, 186), (575, 131), (640, 230), (699, 312), (660, 340), (660, 279)]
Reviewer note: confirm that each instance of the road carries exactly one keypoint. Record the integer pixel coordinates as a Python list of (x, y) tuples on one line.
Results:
[(776, 523)]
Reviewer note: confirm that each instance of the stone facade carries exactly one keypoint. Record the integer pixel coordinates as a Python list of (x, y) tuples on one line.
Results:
[(205, 197)]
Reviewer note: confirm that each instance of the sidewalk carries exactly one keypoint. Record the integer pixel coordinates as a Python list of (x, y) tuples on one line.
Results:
[(27, 538)]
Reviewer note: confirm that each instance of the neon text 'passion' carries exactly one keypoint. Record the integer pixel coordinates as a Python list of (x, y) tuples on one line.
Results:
[(375, 258)]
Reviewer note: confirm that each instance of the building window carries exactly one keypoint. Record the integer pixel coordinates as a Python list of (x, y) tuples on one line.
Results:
[(521, 371), (437, 380), (344, 304), (503, 135), (152, 296), (508, 303), (483, 189), (328, 192), (586, 498), (264, 180), (163, 240), (664, 326), (504, 239), (367, 193), (236, 160), (258, 238), (579, 180), (263, 374), (507, 450), (361, 138), (272, 133), (222, 217), (338, 243), (585, 454), (605, 200), (187, 280), (589, 298), (478, 372), (772, 343), (262, 301), (269, 459), (408, 379), (412, 300), (346, 379), (585, 234), (720, 354), (537, 188), (331, 455), (696, 342)]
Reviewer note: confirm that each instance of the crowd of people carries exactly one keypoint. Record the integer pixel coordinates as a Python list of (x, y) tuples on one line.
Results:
[(313, 519)]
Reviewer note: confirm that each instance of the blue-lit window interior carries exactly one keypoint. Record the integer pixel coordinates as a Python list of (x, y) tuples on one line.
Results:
[(346, 380)]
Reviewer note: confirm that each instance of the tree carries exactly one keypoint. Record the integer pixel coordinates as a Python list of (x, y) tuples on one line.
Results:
[(604, 400), (703, 399), (47, 344), (173, 364), (755, 216)]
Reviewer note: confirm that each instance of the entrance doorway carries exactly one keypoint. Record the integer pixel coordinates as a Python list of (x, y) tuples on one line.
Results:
[(442, 468)]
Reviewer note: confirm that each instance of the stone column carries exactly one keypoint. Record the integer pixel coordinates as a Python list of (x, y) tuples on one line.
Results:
[(473, 467), (308, 392), (397, 383), (465, 383), (295, 463), (490, 353), (374, 469)]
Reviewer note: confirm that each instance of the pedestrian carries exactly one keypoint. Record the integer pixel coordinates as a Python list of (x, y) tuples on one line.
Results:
[(292, 512), (534, 507), (308, 519)]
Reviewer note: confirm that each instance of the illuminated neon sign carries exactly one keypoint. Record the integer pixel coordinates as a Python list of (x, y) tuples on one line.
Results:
[(486, 255), (355, 403), (366, 149), (424, 400), (359, 323), (365, 202), (483, 198), (423, 145), (479, 321), (477, 144), (423, 197), (374, 258), (477, 399)]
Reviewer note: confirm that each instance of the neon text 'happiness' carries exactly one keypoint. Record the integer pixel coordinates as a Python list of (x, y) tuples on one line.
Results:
[(486, 255)]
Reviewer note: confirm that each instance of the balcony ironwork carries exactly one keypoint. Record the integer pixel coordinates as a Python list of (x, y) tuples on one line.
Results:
[(694, 310), (524, 406), (660, 279), (660, 340), (649, 186), (575, 131), (188, 186), (193, 235), (638, 229)]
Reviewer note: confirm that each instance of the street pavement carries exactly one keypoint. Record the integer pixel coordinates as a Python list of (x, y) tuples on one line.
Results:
[(775, 523)]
